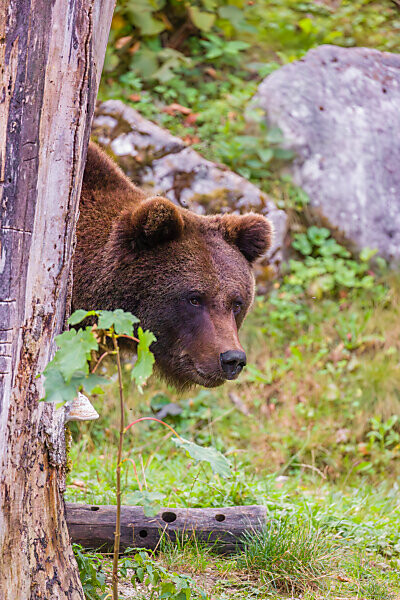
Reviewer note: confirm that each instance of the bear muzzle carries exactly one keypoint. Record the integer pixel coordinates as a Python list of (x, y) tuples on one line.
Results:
[(232, 363)]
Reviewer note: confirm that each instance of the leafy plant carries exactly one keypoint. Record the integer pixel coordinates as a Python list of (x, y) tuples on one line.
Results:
[(93, 578), (327, 265), (383, 433), (159, 582), (69, 370)]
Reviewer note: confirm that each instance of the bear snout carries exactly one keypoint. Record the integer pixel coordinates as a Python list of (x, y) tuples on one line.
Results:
[(232, 362)]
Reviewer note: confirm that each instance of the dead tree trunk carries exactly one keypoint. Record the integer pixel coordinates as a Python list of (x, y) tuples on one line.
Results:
[(51, 56)]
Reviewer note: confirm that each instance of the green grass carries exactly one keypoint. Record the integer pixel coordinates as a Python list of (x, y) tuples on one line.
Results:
[(291, 555)]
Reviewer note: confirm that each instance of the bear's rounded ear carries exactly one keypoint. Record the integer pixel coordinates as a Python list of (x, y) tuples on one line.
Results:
[(251, 233), (155, 221)]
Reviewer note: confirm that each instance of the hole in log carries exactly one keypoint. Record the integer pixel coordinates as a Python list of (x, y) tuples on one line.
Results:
[(168, 517), (95, 508), (220, 518), (143, 533)]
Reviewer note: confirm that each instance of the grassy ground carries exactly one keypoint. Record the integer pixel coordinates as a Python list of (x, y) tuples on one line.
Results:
[(312, 430), (312, 427)]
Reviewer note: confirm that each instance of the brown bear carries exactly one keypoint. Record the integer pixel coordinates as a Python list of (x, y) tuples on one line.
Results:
[(188, 278)]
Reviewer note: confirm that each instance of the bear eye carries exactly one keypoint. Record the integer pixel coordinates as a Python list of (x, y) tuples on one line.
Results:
[(237, 306), (195, 301)]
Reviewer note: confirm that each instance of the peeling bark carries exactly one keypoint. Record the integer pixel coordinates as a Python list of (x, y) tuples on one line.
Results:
[(51, 55)]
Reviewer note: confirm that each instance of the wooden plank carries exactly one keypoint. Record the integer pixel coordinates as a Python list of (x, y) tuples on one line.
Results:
[(93, 526)]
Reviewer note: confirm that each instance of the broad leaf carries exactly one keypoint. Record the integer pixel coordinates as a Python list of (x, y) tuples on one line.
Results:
[(56, 389), (79, 315), (74, 351), (59, 391), (233, 14), (367, 253), (203, 20), (151, 501), (147, 24), (318, 235), (143, 366), (122, 321), (94, 384), (218, 462), (265, 154)]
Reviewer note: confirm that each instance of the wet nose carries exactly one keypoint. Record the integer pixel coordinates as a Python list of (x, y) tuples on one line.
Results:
[(232, 362)]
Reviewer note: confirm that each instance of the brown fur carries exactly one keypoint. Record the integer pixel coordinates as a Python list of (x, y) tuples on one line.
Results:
[(154, 259)]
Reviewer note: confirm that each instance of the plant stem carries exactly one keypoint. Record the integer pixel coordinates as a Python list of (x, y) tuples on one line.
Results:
[(117, 534), (157, 421), (100, 359)]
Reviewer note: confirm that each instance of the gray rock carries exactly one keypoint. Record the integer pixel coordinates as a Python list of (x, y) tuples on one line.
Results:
[(339, 110), (129, 134), (164, 164)]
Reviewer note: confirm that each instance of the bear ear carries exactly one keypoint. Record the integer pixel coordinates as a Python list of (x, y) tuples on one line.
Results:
[(155, 221), (251, 233)]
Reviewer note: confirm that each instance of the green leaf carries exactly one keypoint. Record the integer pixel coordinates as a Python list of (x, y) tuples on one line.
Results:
[(59, 391), (56, 389), (144, 62), (143, 366), (235, 47), (283, 154), (306, 25), (93, 384), (218, 462), (203, 20), (151, 501), (302, 244), (331, 248), (79, 315), (74, 351), (265, 154), (367, 253), (233, 14), (122, 321), (147, 24), (318, 235), (274, 136)]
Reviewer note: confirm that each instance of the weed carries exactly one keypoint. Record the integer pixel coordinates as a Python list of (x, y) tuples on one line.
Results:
[(375, 590), (158, 582), (68, 373), (92, 575), (185, 552), (290, 555)]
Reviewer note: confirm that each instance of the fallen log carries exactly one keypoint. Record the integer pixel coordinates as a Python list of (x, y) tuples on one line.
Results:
[(93, 526)]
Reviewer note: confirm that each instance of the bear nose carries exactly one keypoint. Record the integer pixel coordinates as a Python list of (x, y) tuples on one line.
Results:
[(232, 362)]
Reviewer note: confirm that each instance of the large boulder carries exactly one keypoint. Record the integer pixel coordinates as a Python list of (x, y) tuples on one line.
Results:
[(339, 110), (164, 164)]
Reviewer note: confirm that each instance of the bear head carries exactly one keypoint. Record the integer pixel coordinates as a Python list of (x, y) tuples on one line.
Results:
[(189, 280)]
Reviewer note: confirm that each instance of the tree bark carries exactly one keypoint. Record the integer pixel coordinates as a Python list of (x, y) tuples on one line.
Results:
[(51, 56)]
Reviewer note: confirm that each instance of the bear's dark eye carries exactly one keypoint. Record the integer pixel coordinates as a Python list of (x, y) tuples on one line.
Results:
[(195, 301), (237, 306)]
